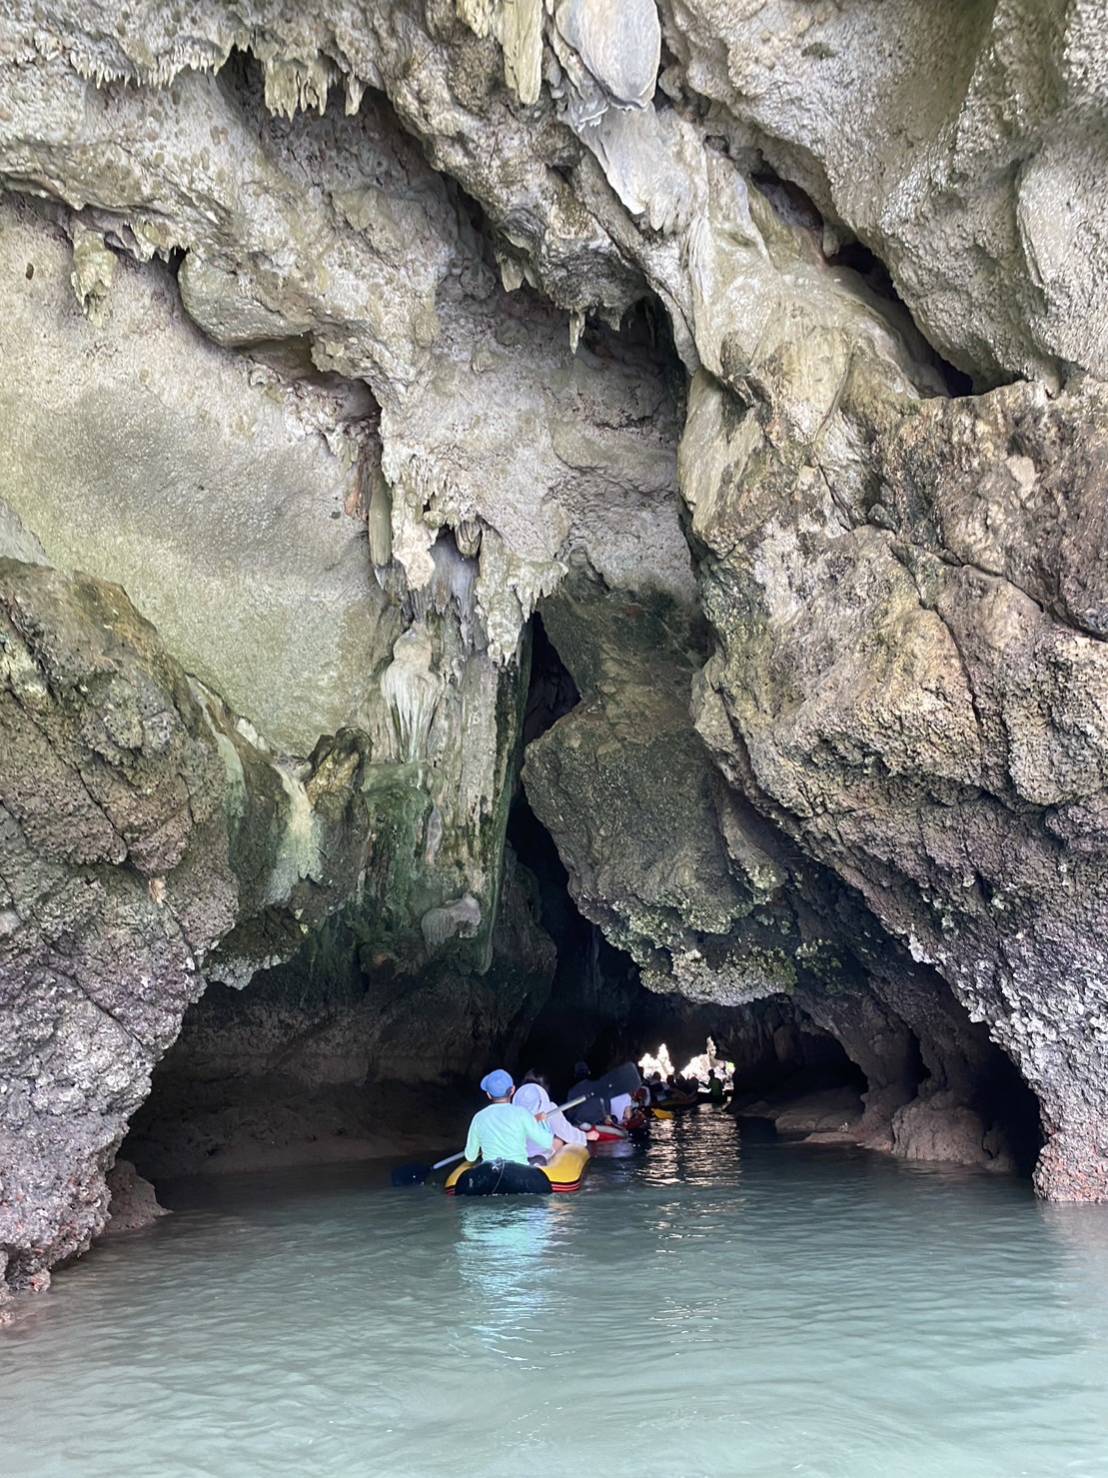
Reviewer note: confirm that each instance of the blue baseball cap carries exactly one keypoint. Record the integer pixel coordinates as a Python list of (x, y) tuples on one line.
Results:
[(498, 1083)]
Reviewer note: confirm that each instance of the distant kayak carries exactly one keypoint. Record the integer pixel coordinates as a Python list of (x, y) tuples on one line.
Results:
[(563, 1175)]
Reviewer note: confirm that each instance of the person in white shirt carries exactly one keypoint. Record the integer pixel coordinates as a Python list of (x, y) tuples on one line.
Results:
[(534, 1098)]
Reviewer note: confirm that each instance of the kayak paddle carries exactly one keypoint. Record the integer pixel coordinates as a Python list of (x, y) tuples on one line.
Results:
[(418, 1174)]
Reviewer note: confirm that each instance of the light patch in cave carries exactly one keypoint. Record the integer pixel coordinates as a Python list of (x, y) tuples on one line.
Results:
[(698, 1066)]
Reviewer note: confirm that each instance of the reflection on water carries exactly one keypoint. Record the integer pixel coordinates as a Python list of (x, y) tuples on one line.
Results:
[(501, 1251), (752, 1309)]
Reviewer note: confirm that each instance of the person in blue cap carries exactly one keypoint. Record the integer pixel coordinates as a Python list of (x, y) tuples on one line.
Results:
[(501, 1130)]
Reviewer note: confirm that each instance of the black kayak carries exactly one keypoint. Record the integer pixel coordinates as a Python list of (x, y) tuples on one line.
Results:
[(501, 1178)]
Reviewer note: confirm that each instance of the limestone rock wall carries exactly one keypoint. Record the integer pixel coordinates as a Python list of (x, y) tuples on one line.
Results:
[(911, 687), (962, 143), (213, 488), (311, 341), (150, 846), (116, 883)]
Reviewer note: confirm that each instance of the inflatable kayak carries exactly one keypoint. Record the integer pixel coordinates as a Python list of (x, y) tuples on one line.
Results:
[(610, 1134), (564, 1174)]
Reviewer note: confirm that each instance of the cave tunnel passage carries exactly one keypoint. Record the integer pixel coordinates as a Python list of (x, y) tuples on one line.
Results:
[(780, 1067), (338, 1054), (317, 1061), (599, 1012)]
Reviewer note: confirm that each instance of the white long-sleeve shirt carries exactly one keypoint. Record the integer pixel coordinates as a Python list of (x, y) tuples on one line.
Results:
[(534, 1098)]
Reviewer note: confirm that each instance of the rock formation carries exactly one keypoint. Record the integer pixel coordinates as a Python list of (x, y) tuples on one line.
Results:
[(134, 1204), (762, 349)]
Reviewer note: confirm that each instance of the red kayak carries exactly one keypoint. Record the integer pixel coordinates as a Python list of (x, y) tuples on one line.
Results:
[(610, 1134)]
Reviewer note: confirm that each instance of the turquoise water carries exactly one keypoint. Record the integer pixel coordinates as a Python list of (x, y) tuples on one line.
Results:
[(710, 1306)]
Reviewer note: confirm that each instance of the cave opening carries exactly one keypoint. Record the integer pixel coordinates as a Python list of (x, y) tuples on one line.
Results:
[(330, 1055)]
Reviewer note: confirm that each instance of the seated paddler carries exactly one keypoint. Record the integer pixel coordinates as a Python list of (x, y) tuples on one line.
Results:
[(499, 1135), (536, 1100)]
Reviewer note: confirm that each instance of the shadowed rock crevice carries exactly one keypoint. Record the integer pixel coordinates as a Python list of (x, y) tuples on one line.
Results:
[(851, 255), (552, 693)]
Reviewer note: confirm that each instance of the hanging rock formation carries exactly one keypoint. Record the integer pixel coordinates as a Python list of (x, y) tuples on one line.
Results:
[(312, 344)]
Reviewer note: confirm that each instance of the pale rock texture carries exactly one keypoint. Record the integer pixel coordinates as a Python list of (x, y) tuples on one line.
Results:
[(134, 1204), (213, 489), (631, 798), (967, 144)]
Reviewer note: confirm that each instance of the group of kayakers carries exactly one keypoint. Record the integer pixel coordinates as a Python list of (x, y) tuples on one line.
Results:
[(521, 1130), (522, 1120), (518, 1131), (680, 1090)]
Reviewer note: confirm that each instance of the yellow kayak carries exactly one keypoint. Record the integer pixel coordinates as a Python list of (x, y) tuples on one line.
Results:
[(565, 1172)]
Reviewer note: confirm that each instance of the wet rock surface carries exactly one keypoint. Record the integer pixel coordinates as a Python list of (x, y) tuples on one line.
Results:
[(134, 1203), (921, 714), (978, 121), (342, 341), (116, 883)]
